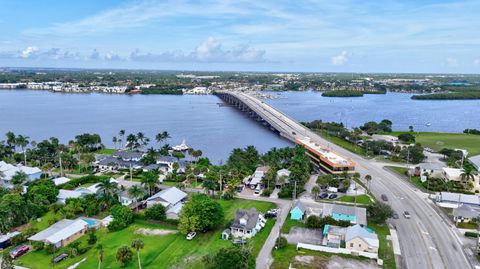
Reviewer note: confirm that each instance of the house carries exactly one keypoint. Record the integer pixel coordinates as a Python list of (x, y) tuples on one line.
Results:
[(454, 200), (282, 178), (172, 199), (359, 238), (63, 195), (431, 169), (5, 239), (125, 199), (111, 163), (168, 163), (247, 223), (356, 215), (9, 170), (298, 211), (128, 156), (475, 161), (62, 233), (465, 213), (452, 174), (333, 236), (257, 176), (60, 180)]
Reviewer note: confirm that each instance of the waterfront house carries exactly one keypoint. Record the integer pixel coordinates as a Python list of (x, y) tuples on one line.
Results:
[(9, 170), (298, 211), (128, 156), (359, 238), (282, 178), (110, 163), (172, 199), (62, 233), (247, 223)]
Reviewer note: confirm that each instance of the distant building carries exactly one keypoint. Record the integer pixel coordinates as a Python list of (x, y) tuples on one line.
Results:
[(8, 170)]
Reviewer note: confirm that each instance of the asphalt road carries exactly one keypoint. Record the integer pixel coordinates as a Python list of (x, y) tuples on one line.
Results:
[(426, 240)]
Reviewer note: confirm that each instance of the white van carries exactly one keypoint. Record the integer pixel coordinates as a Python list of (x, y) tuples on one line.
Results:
[(258, 189)]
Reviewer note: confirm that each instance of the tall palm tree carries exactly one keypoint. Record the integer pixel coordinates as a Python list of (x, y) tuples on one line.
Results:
[(160, 137), (368, 178), (138, 244), (467, 175), (150, 180), (109, 189), (136, 192), (100, 255), (22, 142), (315, 191), (115, 140), (132, 141)]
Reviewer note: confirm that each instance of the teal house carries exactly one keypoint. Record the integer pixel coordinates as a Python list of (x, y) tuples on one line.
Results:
[(298, 211)]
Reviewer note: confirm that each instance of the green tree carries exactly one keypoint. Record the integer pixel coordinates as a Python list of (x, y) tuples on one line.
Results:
[(315, 192), (368, 178), (150, 180), (230, 258), (19, 178), (138, 244), (109, 189), (22, 142), (124, 255), (467, 174), (7, 262), (136, 192), (379, 212), (100, 255), (156, 212), (200, 214)]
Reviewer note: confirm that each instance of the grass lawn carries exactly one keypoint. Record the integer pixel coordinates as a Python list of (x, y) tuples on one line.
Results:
[(105, 151), (438, 141), (402, 171), (289, 223), (467, 225), (361, 199), (385, 250), (159, 251), (342, 143)]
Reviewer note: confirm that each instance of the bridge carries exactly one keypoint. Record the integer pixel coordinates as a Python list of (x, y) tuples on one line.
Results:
[(427, 240)]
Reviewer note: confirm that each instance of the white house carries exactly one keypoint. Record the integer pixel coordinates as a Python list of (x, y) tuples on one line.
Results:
[(8, 171), (282, 178), (450, 174), (62, 233), (60, 180), (172, 199), (63, 195), (358, 238), (257, 176), (247, 223)]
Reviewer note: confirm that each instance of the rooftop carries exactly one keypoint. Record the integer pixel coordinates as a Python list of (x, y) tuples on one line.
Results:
[(325, 153), (60, 231), (250, 216), (358, 231), (171, 195)]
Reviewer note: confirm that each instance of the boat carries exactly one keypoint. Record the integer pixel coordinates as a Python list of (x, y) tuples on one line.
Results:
[(181, 147), (428, 124)]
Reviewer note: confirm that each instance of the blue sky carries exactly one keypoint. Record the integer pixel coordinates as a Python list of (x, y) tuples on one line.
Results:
[(320, 36)]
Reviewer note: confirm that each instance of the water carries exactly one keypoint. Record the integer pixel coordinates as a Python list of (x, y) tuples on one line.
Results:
[(205, 125)]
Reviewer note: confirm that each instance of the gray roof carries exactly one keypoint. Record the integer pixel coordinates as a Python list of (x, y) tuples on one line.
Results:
[(60, 231), (299, 205), (112, 161), (154, 166), (460, 198), (167, 159), (466, 211), (171, 195), (126, 155), (357, 231), (250, 215), (360, 213), (332, 229), (475, 160)]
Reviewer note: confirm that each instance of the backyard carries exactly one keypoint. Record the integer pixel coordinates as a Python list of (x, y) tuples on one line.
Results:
[(159, 251)]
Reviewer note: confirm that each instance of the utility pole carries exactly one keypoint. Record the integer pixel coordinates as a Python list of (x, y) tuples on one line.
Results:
[(60, 162), (131, 172), (295, 191)]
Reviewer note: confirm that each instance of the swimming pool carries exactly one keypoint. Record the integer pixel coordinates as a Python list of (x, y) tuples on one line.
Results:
[(92, 223)]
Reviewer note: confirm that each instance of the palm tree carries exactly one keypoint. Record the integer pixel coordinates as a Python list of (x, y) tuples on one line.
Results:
[(315, 191), (467, 175), (19, 178), (124, 255), (115, 140), (100, 255), (22, 142), (132, 141), (160, 137), (138, 244), (368, 178), (136, 192), (150, 180), (109, 188)]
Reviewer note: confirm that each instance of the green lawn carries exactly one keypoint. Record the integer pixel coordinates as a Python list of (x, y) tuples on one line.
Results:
[(385, 250), (402, 171), (159, 251), (361, 199), (343, 143), (438, 141), (105, 151), (289, 223)]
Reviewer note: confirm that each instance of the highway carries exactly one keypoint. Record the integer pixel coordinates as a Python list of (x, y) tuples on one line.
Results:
[(426, 240)]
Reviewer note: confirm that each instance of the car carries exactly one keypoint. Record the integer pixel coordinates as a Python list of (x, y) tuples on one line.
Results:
[(332, 196), (60, 258), (270, 215), (17, 252), (293, 133), (407, 215), (384, 197), (395, 215), (191, 235), (323, 195)]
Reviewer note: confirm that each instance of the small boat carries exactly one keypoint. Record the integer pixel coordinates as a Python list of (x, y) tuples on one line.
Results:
[(181, 147), (428, 124)]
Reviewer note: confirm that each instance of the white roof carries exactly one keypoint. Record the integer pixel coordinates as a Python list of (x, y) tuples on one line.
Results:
[(64, 194), (459, 198), (60, 231), (452, 172), (358, 231), (171, 195), (10, 170), (7, 236), (60, 180), (283, 172), (175, 209), (326, 153), (475, 160)]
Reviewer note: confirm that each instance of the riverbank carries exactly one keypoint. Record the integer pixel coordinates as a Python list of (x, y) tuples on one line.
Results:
[(448, 96)]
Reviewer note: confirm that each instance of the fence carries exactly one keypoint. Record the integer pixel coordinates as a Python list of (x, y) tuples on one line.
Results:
[(337, 250)]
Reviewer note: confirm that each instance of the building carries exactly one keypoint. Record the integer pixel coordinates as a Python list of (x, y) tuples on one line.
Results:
[(356, 215), (5, 239), (358, 238), (475, 161), (282, 178), (172, 199), (174, 211), (452, 174), (111, 163), (125, 199), (60, 180), (298, 211), (247, 223), (454, 200), (128, 156), (63, 195), (257, 176), (465, 213), (333, 236), (326, 159), (9, 170), (62, 233)]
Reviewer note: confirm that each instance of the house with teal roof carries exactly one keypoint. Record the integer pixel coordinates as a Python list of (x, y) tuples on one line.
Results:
[(298, 211)]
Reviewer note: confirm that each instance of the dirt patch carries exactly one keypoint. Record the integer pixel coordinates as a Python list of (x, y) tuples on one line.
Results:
[(146, 231), (334, 262)]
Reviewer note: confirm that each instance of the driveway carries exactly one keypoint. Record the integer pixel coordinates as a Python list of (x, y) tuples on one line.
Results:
[(304, 235)]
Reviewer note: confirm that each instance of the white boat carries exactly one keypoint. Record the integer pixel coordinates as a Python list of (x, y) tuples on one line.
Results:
[(428, 124), (181, 147)]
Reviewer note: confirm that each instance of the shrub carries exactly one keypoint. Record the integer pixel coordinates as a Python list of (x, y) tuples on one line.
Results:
[(281, 242), (156, 212), (38, 245), (266, 192), (92, 237), (471, 234)]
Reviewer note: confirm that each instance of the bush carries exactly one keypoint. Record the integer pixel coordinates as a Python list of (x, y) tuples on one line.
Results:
[(38, 245), (471, 234), (50, 248), (156, 212), (266, 192), (92, 237), (281, 242)]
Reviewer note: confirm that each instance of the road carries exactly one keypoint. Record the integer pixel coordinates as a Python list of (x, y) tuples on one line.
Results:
[(426, 240)]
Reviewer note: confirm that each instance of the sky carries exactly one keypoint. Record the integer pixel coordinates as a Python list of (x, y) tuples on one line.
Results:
[(408, 36)]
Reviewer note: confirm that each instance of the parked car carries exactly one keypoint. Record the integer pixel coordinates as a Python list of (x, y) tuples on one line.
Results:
[(323, 195), (60, 258), (332, 196), (191, 235), (395, 215), (239, 188), (407, 215), (270, 215), (384, 197), (16, 253)]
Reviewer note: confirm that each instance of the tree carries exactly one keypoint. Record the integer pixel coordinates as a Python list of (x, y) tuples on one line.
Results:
[(230, 258), (19, 178), (132, 142), (379, 212), (109, 188), (22, 142), (124, 255), (467, 174), (115, 140), (315, 191), (281, 242), (407, 138), (150, 180), (7, 262), (100, 255), (368, 178), (138, 244), (136, 192), (160, 137), (200, 214), (156, 212), (122, 217)]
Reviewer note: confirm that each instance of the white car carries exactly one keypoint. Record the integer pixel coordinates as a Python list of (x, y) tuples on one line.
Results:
[(191, 235)]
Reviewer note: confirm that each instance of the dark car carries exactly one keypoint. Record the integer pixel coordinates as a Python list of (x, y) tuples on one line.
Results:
[(384, 197), (332, 196), (60, 258), (395, 215), (270, 215), (323, 195), (16, 253)]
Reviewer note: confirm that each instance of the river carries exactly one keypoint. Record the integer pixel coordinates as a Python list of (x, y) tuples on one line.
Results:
[(206, 124)]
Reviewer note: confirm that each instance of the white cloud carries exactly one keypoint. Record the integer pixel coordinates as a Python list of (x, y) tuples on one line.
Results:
[(28, 52), (341, 59)]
